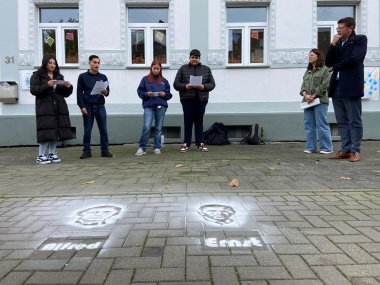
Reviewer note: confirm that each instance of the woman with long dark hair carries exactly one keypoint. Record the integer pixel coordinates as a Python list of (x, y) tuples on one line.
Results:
[(52, 114), (315, 85), (154, 90)]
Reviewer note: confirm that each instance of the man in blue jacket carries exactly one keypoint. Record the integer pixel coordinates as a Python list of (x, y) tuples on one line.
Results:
[(345, 58), (92, 107)]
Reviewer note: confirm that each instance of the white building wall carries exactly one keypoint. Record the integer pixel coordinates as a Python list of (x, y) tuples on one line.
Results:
[(101, 24), (214, 24), (373, 26), (181, 24), (102, 32), (294, 22), (23, 31)]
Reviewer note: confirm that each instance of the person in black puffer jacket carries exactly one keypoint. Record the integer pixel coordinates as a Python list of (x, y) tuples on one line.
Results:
[(52, 114), (194, 98)]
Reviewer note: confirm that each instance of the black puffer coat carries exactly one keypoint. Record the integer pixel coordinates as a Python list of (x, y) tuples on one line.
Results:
[(52, 113)]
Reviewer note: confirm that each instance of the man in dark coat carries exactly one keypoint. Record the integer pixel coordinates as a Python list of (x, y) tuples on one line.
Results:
[(52, 114), (345, 58), (194, 98)]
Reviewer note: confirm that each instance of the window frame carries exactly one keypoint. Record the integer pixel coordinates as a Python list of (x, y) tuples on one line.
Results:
[(246, 30), (59, 28), (148, 29)]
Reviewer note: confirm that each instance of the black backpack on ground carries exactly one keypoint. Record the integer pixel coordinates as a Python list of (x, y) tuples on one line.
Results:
[(217, 134), (255, 135)]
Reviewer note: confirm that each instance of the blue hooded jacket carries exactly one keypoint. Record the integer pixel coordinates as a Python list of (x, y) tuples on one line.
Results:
[(154, 101)]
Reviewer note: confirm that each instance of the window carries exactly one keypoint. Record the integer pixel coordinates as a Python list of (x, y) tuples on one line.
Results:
[(147, 35), (327, 17), (58, 34), (247, 35)]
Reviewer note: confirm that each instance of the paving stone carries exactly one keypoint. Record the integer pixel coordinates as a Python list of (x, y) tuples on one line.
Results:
[(234, 260), (357, 254), (327, 259), (324, 245), (259, 273), (197, 268), (297, 267), (365, 270), (159, 274), (330, 275), (224, 276), (48, 277), (137, 262), (97, 272), (15, 278), (6, 266), (294, 249), (174, 256), (41, 265)]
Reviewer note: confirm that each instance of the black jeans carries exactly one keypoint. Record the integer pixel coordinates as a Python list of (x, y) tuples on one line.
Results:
[(193, 112)]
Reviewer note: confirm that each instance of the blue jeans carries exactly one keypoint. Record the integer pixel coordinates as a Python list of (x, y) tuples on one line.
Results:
[(193, 112), (158, 115), (97, 111), (348, 113), (316, 126)]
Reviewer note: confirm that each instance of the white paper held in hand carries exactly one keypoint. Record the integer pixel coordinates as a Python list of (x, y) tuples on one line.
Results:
[(195, 80), (305, 105), (99, 87)]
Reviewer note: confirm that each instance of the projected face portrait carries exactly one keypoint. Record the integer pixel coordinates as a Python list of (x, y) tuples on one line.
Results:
[(96, 216), (219, 214)]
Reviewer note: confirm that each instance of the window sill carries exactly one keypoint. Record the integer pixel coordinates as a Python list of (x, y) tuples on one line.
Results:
[(247, 66)]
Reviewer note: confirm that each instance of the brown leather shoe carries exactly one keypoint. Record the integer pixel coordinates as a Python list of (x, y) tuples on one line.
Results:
[(341, 154), (354, 156)]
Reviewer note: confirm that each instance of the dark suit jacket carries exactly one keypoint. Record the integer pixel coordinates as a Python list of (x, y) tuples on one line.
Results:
[(348, 61)]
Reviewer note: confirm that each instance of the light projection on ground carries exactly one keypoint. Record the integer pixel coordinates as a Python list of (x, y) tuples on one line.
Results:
[(59, 246), (97, 216), (219, 214)]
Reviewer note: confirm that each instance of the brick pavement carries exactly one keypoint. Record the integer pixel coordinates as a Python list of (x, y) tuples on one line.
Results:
[(294, 219)]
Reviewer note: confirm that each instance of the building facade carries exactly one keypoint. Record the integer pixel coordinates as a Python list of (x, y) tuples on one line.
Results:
[(257, 50)]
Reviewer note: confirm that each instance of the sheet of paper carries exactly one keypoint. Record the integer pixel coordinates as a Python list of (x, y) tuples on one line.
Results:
[(99, 86), (156, 94), (195, 80), (305, 105), (61, 82)]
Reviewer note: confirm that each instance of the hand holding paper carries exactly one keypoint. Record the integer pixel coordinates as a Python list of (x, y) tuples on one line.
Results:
[(195, 81), (99, 87), (305, 105)]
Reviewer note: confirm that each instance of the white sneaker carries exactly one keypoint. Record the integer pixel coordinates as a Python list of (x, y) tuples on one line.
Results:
[(325, 152), (307, 151), (54, 158), (157, 151), (140, 152), (42, 159)]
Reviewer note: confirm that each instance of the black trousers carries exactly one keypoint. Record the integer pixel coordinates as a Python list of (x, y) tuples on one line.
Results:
[(193, 112)]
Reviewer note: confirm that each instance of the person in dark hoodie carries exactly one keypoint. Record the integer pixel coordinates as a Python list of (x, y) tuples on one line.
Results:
[(154, 90), (92, 107), (194, 98), (52, 114)]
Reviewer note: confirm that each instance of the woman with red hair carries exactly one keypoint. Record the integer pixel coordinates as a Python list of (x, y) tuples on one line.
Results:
[(154, 90)]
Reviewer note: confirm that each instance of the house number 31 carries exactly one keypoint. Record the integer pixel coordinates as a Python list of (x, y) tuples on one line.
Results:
[(9, 59)]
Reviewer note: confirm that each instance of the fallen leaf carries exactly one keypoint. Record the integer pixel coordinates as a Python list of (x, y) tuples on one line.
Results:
[(89, 182), (271, 168), (377, 171), (378, 151), (225, 160), (345, 178), (234, 183), (317, 161), (178, 165)]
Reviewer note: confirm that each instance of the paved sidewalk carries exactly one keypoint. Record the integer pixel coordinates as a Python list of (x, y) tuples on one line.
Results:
[(174, 219)]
